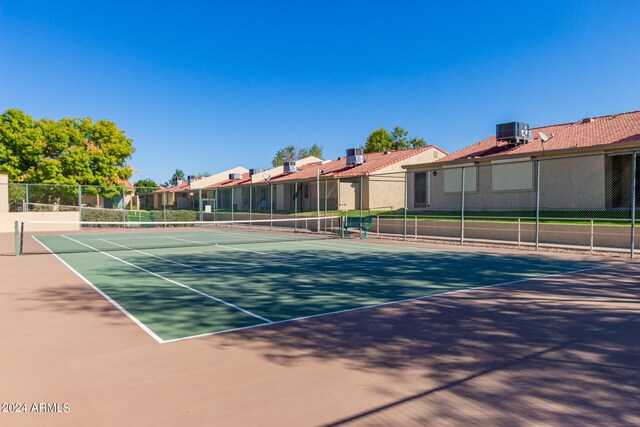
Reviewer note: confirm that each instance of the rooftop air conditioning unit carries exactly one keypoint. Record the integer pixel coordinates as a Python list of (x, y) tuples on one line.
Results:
[(290, 167), (254, 171), (355, 156), (191, 178), (513, 132), (234, 176)]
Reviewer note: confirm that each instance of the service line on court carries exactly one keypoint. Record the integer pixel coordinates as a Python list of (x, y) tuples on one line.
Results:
[(313, 316), (214, 244), (104, 295), (257, 316), (204, 270)]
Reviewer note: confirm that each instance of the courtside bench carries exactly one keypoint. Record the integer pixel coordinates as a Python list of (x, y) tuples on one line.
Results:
[(362, 224)]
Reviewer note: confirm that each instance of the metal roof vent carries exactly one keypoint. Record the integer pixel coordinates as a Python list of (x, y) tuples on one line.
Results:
[(514, 133), (290, 167), (587, 120), (355, 156), (234, 176)]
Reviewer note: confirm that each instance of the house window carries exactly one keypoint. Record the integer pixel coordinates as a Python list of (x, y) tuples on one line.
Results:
[(512, 175), (420, 189), (453, 179), (306, 191)]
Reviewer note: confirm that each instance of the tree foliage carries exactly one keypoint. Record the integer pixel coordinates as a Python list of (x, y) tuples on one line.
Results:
[(383, 140), (177, 175), (68, 151), (291, 153), (145, 186)]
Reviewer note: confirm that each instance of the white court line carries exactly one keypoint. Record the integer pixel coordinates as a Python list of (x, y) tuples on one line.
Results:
[(204, 270), (215, 244), (376, 247), (546, 276), (105, 296), (173, 281)]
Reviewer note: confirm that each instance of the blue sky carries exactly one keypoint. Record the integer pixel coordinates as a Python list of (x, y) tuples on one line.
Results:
[(205, 86)]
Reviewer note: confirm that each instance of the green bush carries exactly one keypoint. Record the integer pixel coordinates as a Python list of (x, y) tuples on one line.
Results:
[(174, 215), (110, 215)]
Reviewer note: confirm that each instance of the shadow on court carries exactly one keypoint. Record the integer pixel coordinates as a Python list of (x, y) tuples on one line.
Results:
[(560, 350), (184, 294)]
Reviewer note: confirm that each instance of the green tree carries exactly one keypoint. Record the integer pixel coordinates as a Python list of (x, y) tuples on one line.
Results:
[(68, 151), (378, 140), (177, 175), (383, 140), (145, 186), (291, 153)]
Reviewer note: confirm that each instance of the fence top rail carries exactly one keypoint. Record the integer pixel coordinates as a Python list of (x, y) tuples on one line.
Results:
[(516, 218)]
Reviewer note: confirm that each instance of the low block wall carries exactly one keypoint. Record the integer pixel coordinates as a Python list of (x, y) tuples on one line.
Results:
[(8, 220)]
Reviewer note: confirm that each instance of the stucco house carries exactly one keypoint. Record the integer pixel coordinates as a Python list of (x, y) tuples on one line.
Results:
[(582, 165), (186, 194), (376, 183)]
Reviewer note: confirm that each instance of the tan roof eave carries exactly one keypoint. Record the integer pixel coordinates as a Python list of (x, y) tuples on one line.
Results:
[(537, 154)]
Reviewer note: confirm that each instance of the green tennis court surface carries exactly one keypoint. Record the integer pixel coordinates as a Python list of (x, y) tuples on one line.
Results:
[(192, 282)]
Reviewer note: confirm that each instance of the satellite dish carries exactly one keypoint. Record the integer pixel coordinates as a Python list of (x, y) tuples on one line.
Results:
[(266, 176), (543, 136)]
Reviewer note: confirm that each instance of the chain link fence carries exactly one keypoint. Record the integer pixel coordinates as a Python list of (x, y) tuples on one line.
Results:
[(587, 202)]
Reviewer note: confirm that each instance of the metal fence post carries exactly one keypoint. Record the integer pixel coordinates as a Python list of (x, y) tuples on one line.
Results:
[(633, 202), (462, 210), (232, 206), (537, 203), (17, 237), (215, 205), (591, 239), (80, 200), (415, 227), (360, 188), (378, 225), (519, 231), (200, 207), (318, 200), (405, 205), (271, 206), (164, 205), (325, 203), (124, 206), (295, 205), (26, 196), (250, 206)]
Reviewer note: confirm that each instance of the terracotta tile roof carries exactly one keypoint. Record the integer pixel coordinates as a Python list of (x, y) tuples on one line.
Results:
[(128, 185), (244, 179), (593, 132), (338, 168), (175, 188)]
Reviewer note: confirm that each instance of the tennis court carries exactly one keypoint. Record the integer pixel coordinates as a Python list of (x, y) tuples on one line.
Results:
[(184, 282)]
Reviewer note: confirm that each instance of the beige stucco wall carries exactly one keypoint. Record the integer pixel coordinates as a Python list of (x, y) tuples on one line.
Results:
[(385, 188), (569, 184), (219, 177), (4, 193), (8, 219), (573, 183), (349, 194)]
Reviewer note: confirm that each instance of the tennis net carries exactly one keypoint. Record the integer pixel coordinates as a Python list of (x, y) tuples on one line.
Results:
[(33, 237)]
